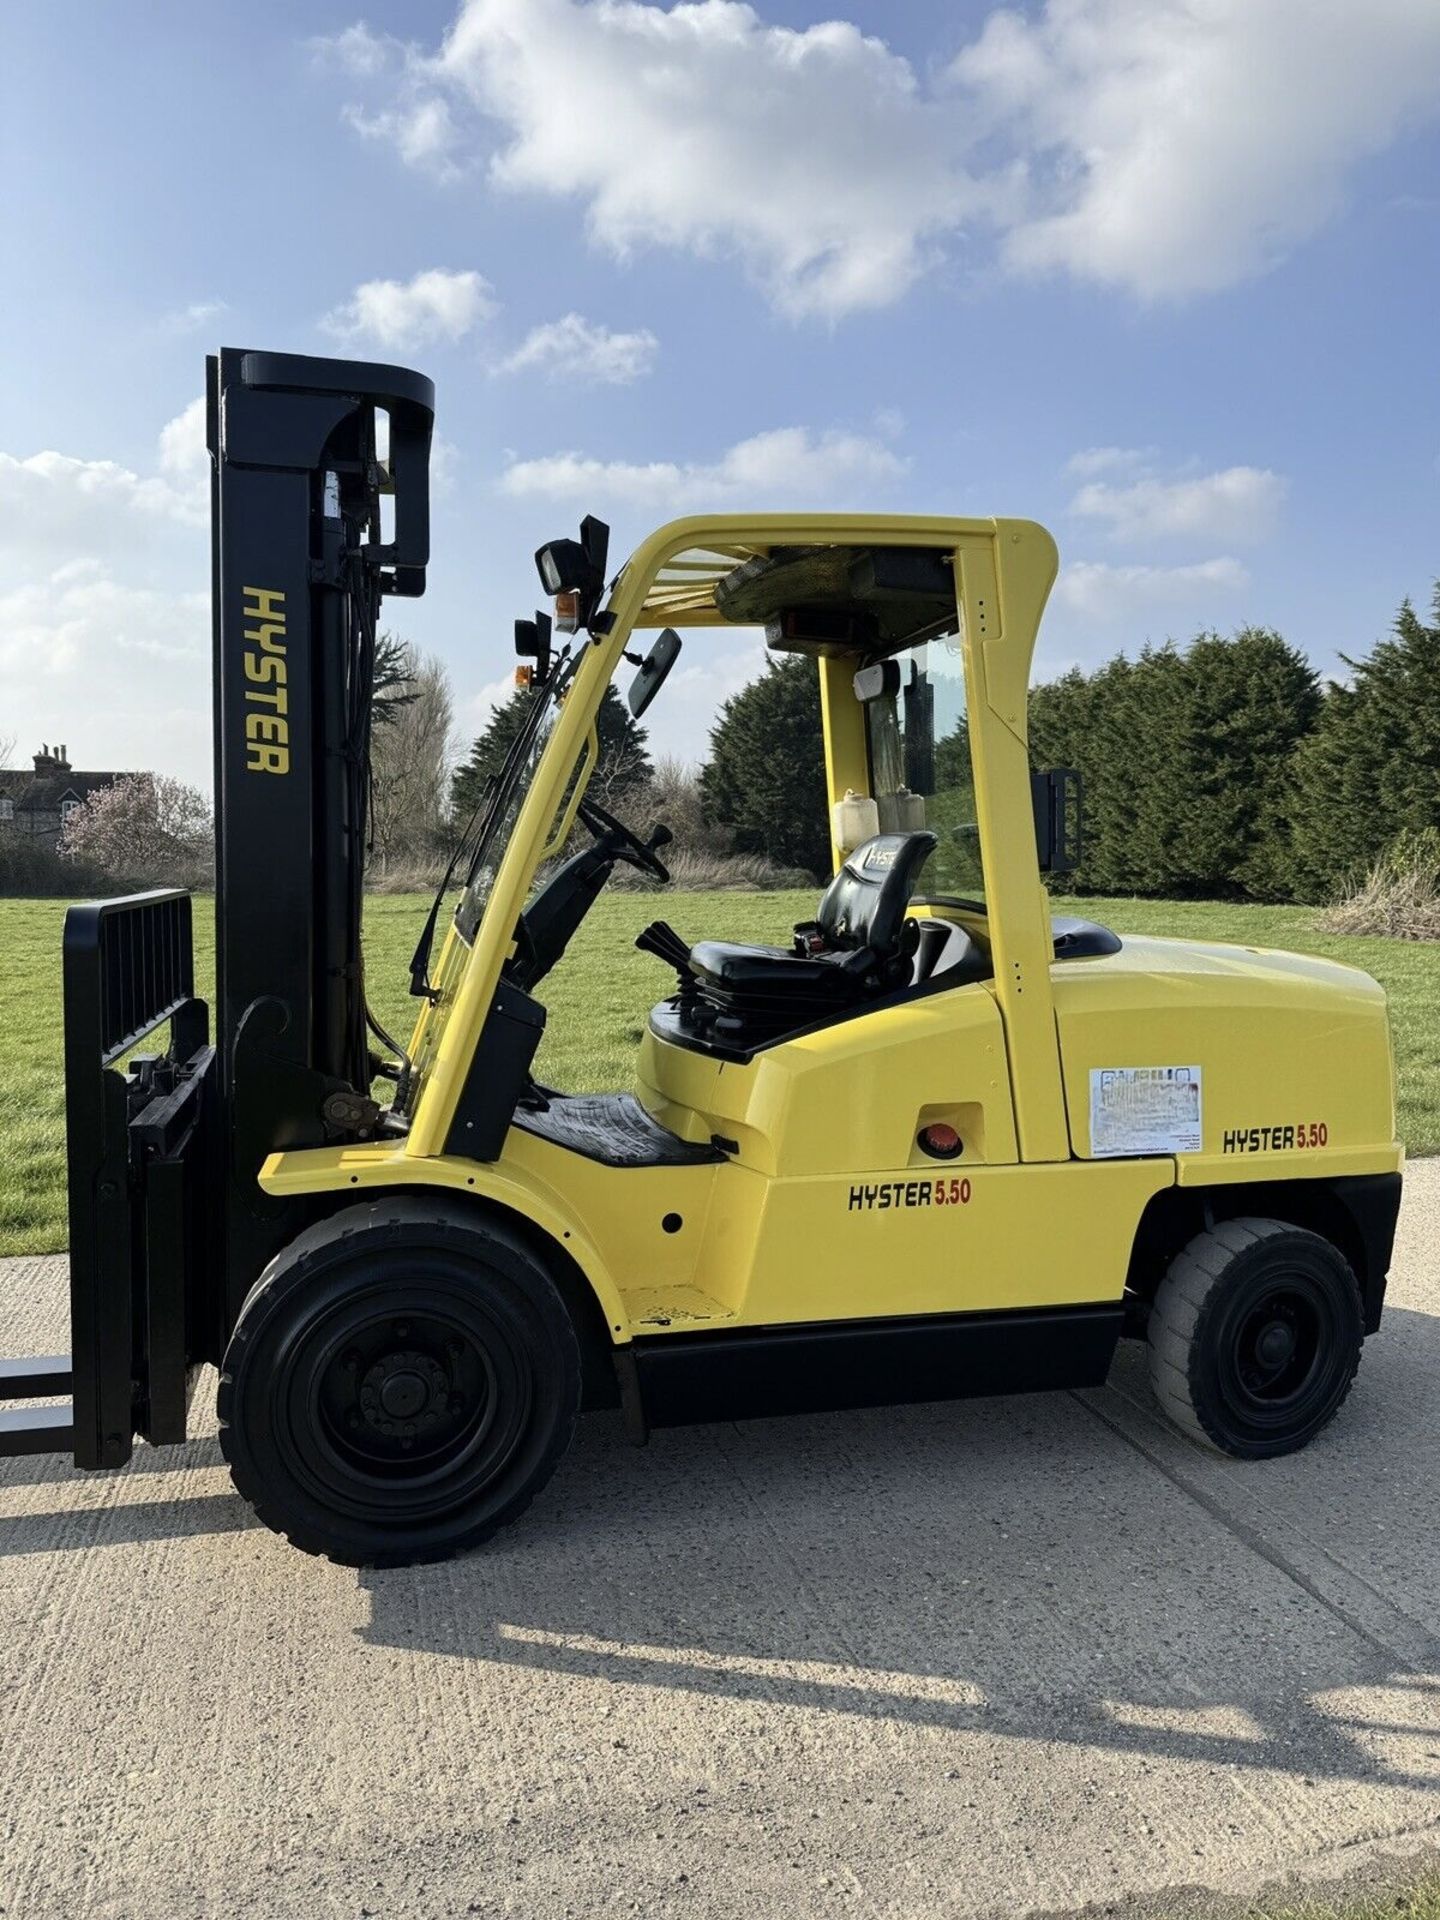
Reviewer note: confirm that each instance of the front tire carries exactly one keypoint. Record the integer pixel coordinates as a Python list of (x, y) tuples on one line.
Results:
[(401, 1381), (1254, 1337)]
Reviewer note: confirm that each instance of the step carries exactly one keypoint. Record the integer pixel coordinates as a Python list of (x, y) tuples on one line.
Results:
[(36, 1430), (651, 1309)]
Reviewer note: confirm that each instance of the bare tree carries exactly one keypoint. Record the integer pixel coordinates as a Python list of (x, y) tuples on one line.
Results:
[(673, 795), (147, 830), (7, 748), (411, 751)]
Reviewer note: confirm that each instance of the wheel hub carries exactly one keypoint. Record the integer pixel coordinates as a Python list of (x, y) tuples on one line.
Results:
[(405, 1394), (1276, 1344), (1278, 1348)]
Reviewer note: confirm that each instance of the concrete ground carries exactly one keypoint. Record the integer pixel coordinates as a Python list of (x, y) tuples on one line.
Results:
[(1000, 1658)]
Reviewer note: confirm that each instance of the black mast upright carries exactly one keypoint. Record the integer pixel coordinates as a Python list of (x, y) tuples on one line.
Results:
[(300, 562)]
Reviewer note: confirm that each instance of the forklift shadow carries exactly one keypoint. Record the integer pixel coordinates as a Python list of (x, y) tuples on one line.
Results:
[(132, 1506), (56, 1470), (1021, 1567)]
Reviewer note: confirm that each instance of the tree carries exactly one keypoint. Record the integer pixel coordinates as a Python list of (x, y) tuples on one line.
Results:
[(952, 760), (1370, 770), (392, 674), (1187, 763), (410, 750), (1111, 725), (1251, 701), (765, 778), (145, 830), (622, 769), (624, 764), (488, 752)]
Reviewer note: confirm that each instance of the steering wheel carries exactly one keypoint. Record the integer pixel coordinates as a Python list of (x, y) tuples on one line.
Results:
[(626, 844)]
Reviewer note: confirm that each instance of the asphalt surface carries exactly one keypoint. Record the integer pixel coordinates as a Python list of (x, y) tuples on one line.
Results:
[(999, 1658)]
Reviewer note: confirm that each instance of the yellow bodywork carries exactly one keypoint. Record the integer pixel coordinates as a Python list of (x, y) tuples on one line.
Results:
[(824, 1206)]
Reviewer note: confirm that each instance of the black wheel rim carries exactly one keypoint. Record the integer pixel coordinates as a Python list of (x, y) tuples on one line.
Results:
[(393, 1411), (1279, 1357)]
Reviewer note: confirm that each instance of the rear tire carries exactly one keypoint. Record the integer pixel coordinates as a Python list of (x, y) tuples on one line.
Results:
[(1254, 1337), (401, 1382)]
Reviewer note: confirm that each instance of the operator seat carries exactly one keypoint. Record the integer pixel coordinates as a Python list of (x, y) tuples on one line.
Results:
[(860, 944)]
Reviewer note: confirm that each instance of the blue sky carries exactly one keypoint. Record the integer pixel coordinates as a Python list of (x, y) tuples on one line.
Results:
[(1160, 273)]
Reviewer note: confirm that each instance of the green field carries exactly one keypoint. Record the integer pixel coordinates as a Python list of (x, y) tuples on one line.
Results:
[(598, 1001)]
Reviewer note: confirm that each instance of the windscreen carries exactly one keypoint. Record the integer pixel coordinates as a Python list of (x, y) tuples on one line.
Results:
[(920, 771), (517, 739)]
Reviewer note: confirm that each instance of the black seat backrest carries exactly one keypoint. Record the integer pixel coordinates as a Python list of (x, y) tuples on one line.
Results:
[(866, 903)]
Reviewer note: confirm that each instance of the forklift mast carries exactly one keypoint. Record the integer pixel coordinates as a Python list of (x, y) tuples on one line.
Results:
[(319, 508), (301, 557)]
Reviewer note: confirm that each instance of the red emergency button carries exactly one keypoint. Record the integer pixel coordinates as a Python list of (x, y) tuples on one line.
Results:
[(941, 1142)]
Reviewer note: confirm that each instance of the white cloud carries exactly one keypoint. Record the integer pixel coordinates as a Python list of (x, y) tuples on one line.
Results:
[(573, 348), (403, 314), (120, 671), (1239, 503), (71, 620), (104, 605), (786, 462), (1091, 461), (416, 119), (479, 709), (54, 506), (446, 461), (183, 453), (812, 158), (1103, 594), (1174, 147), (422, 131), (359, 51), (200, 313), (1167, 147)]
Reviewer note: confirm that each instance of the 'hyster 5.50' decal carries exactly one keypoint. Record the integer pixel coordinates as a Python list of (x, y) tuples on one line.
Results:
[(910, 1193), (1302, 1136)]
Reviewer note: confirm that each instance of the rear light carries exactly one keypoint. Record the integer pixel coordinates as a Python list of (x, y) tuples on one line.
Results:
[(940, 1142)]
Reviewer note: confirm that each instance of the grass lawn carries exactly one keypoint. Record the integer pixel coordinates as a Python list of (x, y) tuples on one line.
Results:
[(598, 1000), (1412, 1895)]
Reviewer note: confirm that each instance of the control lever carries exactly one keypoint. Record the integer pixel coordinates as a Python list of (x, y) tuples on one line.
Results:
[(661, 939)]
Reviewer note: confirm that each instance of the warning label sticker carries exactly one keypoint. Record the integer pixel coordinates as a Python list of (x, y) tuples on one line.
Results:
[(1144, 1110)]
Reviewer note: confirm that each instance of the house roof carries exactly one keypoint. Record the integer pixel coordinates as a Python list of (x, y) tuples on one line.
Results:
[(43, 794)]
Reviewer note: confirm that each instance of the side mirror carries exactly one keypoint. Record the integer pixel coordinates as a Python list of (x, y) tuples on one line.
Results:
[(1056, 799), (651, 673)]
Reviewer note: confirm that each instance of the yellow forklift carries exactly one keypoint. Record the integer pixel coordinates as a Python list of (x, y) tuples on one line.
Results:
[(943, 1144)]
